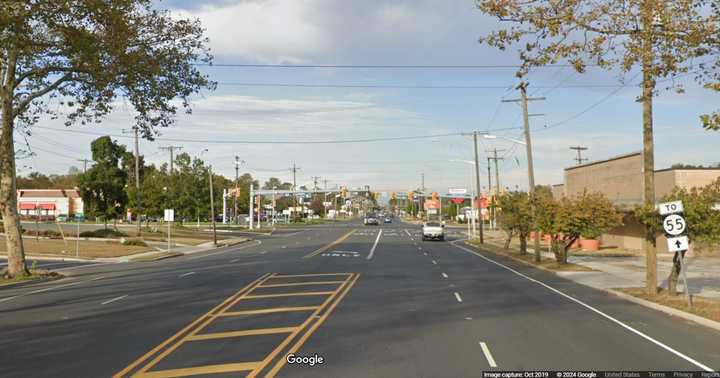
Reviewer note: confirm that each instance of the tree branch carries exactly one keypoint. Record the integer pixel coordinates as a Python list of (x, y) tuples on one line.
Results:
[(24, 103)]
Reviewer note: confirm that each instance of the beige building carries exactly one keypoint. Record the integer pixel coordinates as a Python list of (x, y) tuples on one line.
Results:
[(620, 179), (49, 203)]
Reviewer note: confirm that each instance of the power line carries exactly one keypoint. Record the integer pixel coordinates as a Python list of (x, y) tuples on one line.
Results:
[(400, 86), (377, 66)]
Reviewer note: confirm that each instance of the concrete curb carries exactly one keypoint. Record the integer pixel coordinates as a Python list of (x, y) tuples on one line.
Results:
[(668, 310)]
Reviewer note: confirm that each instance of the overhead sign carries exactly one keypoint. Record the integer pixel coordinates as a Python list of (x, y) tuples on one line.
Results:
[(457, 191), (169, 215), (674, 224), (671, 207), (677, 244)]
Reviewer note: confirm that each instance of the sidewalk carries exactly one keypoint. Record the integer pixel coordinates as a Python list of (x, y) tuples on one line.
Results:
[(703, 272)]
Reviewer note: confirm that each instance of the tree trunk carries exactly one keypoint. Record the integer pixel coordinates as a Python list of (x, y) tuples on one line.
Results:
[(8, 194), (674, 274), (523, 244), (648, 149), (508, 239)]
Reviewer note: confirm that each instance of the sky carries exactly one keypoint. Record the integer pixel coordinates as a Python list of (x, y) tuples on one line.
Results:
[(579, 109)]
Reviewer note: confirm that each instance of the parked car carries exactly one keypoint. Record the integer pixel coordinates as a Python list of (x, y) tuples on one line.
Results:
[(370, 221), (433, 231), (62, 218)]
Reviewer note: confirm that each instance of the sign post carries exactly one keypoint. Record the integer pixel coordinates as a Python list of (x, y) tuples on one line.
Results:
[(169, 218), (675, 228)]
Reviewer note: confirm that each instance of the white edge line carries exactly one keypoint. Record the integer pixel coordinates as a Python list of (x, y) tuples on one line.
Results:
[(593, 309), (488, 355), (114, 299), (457, 296), (84, 266), (372, 251)]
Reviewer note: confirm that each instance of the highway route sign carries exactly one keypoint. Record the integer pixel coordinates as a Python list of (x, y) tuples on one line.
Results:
[(169, 215), (679, 243), (673, 207), (674, 224)]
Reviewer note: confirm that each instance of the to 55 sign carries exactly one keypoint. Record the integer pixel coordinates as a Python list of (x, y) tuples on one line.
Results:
[(674, 224)]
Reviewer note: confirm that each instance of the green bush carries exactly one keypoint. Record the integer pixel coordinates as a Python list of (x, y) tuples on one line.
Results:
[(135, 242), (44, 233), (102, 233)]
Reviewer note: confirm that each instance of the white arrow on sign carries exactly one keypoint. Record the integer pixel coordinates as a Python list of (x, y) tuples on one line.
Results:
[(674, 224), (679, 243)]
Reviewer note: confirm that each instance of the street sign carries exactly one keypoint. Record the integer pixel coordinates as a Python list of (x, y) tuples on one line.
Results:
[(677, 244), (169, 215), (457, 191), (327, 203), (670, 207), (432, 204), (674, 224)]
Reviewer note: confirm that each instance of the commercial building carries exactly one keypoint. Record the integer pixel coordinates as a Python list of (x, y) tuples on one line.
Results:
[(49, 203), (620, 179)]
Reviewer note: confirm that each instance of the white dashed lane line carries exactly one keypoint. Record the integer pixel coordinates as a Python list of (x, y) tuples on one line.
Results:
[(186, 274), (114, 299), (458, 297), (488, 355), (444, 275)]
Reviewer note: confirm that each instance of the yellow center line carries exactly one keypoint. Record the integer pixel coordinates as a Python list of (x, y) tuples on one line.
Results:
[(174, 337), (267, 311), (298, 294), (312, 329), (303, 283), (327, 247), (307, 321), (208, 369), (249, 332)]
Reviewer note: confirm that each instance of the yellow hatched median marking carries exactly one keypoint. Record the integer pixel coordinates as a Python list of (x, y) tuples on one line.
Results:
[(267, 311), (299, 294), (310, 275), (312, 329), (303, 283), (191, 332), (208, 369), (327, 247), (247, 332)]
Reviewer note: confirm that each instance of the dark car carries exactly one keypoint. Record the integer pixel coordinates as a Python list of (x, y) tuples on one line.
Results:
[(388, 220)]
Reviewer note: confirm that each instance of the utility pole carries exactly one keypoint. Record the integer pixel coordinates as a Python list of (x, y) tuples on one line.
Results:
[(477, 186), (579, 159), (421, 202), (212, 205), (85, 162), (138, 205), (325, 181), (315, 182), (294, 171), (528, 148), (172, 155), (495, 159), (237, 183)]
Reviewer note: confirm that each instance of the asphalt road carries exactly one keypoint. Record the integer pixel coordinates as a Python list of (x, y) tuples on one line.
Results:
[(52, 264), (371, 301)]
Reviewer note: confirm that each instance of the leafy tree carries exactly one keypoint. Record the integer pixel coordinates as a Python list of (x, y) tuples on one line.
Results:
[(102, 187), (566, 219), (275, 183), (662, 38), (77, 58), (515, 217), (703, 222)]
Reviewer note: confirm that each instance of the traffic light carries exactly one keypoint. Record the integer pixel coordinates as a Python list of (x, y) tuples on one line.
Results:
[(435, 196)]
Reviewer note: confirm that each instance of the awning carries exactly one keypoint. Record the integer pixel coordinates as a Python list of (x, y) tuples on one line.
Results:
[(47, 206), (27, 206)]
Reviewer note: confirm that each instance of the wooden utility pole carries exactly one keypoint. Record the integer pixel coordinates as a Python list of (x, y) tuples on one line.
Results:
[(138, 206), (477, 185), (237, 184), (172, 155), (85, 162), (528, 148), (648, 154), (495, 159), (579, 159)]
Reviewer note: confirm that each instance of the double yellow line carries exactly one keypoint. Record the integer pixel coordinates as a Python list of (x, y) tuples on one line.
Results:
[(329, 246)]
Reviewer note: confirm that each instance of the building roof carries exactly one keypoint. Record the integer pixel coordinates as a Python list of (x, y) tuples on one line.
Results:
[(618, 157), (48, 193)]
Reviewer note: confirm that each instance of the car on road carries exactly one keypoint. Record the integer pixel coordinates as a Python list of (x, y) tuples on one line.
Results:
[(370, 221), (433, 231), (388, 220)]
